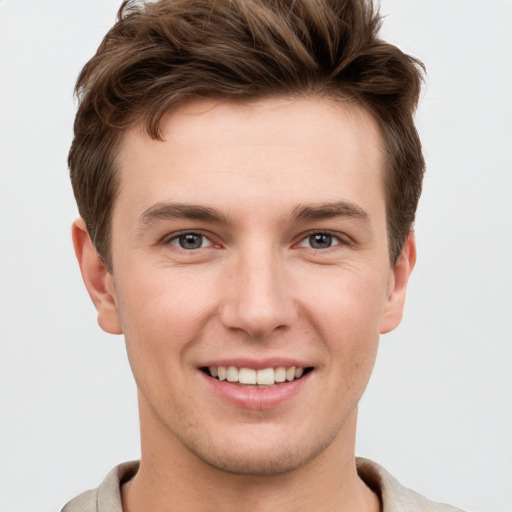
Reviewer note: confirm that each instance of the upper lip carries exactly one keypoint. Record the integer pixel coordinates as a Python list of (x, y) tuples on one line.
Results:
[(258, 364)]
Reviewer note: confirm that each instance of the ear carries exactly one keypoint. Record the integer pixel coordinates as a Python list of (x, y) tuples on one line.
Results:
[(394, 307), (98, 281)]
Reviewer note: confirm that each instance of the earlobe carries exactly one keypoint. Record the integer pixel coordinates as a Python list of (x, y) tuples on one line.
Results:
[(402, 271), (97, 279)]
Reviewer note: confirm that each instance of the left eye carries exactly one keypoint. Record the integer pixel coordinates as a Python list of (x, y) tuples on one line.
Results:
[(190, 241), (319, 241)]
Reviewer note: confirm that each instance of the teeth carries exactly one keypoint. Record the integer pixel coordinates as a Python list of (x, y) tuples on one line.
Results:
[(232, 374), (280, 374), (266, 376), (249, 376)]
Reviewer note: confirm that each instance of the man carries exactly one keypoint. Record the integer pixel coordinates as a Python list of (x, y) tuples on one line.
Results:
[(247, 174)]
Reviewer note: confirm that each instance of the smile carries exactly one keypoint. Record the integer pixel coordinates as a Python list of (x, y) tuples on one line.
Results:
[(256, 378)]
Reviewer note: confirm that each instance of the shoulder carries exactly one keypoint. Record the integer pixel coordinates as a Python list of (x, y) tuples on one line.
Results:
[(107, 497), (395, 497), (85, 502)]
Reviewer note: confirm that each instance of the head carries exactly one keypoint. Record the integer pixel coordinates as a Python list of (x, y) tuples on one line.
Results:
[(161, 55), (248, 173)]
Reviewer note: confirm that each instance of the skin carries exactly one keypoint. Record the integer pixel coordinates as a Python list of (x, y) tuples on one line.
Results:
[(257, 289)]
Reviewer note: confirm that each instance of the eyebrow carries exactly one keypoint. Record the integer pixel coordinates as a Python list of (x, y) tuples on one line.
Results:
[(308, 212), (328, 211), (166, 211)]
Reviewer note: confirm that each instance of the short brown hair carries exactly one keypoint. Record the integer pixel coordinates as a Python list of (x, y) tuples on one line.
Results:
[(163, 53)]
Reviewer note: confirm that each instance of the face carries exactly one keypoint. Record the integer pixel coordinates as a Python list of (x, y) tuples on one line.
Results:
[(251, 278)]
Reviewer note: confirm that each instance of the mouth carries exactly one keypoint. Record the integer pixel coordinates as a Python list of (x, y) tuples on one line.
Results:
[(256, 378)]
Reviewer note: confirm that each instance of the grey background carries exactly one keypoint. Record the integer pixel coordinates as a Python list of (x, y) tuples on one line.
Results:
[(438, 411)]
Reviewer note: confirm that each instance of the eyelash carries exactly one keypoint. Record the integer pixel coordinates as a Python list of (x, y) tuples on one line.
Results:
[(175, 237), (336, 238)]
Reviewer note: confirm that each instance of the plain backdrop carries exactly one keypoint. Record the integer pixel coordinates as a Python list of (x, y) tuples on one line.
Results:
[(438, 410)]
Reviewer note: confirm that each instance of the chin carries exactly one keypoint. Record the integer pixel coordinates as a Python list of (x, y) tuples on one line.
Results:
[(265, 457), (257, 464)]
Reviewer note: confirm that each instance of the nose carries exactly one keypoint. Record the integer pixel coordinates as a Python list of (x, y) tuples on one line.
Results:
[(257, 296)]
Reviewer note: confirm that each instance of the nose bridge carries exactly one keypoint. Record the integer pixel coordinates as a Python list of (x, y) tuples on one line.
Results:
[(257, 299)]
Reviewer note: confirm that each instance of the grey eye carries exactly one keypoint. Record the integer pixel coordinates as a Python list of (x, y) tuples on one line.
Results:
[(321, 240), (190, 241)]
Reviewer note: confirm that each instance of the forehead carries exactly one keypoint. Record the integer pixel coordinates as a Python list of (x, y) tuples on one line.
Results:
[(285, 149)]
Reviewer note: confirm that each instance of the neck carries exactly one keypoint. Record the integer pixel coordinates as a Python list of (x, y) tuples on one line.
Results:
[(170, 478)]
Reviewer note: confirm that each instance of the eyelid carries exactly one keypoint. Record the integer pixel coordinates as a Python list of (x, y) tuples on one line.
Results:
[(341, 238), (171, 237)]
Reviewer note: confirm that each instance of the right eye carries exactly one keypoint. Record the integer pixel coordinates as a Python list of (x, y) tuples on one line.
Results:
[(190, 241)]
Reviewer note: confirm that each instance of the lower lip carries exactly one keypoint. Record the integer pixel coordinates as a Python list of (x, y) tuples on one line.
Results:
[(256, 398)]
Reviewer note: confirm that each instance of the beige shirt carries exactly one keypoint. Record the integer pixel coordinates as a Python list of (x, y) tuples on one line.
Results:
[(393, 496)]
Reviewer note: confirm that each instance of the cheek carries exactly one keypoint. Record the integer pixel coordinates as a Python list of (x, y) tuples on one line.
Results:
[(346, 310), (347, 303), (161, 313)]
